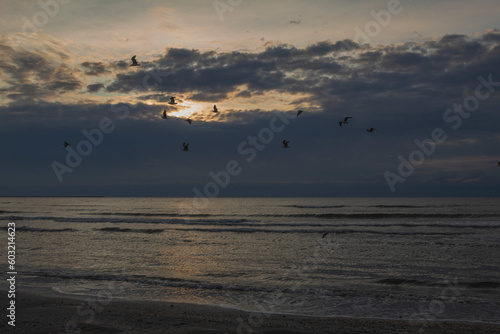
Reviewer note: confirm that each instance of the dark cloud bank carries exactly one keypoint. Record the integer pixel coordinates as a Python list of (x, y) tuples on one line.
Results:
[(402, 90)]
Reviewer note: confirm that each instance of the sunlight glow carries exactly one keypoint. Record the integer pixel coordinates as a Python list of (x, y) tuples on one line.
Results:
[(193, 110)]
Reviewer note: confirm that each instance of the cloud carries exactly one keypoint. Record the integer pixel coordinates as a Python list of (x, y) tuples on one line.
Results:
[(94, 88), (35, 75), (94, 68), (402, 90)]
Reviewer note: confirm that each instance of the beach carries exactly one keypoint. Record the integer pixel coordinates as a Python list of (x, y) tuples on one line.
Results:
[(42, 314)]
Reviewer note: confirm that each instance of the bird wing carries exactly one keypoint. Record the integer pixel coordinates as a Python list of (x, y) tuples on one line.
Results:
[(340, 123), (345, 119)]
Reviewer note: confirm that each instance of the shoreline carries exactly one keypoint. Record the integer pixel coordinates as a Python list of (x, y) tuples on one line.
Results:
[(41, 314)]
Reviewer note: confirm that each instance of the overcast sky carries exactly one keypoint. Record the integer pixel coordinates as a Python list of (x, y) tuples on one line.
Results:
[(413, 70)]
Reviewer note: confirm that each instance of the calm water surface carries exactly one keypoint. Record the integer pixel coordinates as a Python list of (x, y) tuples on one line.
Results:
[(419, 258)]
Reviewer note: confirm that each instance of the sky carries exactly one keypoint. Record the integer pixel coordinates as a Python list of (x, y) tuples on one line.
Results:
[(425, 74)]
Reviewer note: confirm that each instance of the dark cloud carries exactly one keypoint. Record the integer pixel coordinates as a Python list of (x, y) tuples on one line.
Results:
[(33, 76), (401, 90), (244, 93), (94, 88), (94, 68), (492, 36), (208, 97)]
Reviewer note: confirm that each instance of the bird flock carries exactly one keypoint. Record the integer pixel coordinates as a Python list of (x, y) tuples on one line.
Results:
[(185, 146)]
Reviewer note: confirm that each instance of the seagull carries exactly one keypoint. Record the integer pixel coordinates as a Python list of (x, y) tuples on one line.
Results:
[(134, 62), (185, 147), (172, 100), (189, 120), (344, 121), (66, 144), (164, 114), (371, 130), (285, 143), (215, 109), (299, 112)]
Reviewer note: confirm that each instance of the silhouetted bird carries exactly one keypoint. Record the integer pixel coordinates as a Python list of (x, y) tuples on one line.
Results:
[(215, 109), (344, 121), (371, 130), (189, 120), (164, 114), (172, 100), (285, 143), (66, 144), (498, 164), (185, 147), (299, 112), (134, 62)]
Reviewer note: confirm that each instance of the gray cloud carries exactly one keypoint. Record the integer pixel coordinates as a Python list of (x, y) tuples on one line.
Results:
[(94, 68), (402, 90), (93, 88)]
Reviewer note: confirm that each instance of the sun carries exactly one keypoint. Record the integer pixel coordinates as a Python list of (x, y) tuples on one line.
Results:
[(188, 109)]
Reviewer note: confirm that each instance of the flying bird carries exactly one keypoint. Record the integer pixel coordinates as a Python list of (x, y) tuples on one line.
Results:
[(134, 62), (215, 109), (371, 130), (498, 164), (189, 120), (344, 121), (172, 100), (66, 144), (299, 112), (285, 143), (185, 147), (164, 114)]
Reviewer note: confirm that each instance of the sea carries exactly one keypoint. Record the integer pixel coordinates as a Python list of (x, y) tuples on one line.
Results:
[(419, 259)]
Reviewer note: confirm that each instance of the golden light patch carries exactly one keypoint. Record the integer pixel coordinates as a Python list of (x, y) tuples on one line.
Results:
[(193, 110)]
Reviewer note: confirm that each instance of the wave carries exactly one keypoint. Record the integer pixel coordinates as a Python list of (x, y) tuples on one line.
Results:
[(264, 225), (252, 218), (136, 220), (316, 206), (403, 206), (257, 230), (171, 282), (34, 229), (148, 214), (133, 230), (384, 215), (151, 280), (414, 282)]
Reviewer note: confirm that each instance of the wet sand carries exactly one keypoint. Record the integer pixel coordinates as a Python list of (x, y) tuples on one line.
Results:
[(40, 314)]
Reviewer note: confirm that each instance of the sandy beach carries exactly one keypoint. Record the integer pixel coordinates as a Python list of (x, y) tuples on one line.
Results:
[(40, 314)]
